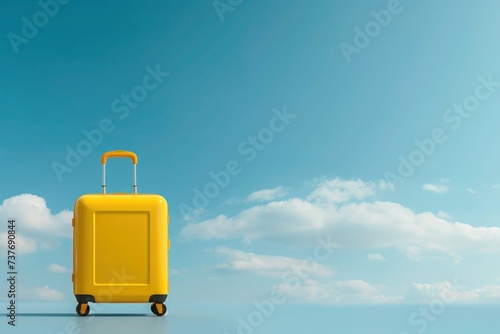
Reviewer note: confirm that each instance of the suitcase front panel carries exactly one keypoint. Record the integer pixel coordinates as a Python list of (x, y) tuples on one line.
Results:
[(121, 241)]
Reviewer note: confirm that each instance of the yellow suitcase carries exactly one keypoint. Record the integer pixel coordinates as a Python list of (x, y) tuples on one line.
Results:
[(120, 247)]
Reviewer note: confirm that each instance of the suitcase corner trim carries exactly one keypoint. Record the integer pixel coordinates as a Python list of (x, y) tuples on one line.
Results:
[(158, 298)]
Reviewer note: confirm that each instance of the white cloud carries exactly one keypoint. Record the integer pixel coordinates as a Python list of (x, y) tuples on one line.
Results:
[(376, 257), (340, 292), (359, 225), (339, 191), (472, 191), (489, 293), (264, 195), (268, 265), (46, 293), (449, 292), (23, 244), (194, 216), (362, 292), (36, 227), (436, 188), (281, 220), (267, 194), (445, 291), (444, 215), (57, 268), (32, 214)]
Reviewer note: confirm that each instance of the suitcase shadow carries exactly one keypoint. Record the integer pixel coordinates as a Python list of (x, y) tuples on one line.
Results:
[(73, 315), (121, 323), (132, 323)]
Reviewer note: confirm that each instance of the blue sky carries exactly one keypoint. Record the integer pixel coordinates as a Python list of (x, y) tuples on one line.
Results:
[(205, 87)]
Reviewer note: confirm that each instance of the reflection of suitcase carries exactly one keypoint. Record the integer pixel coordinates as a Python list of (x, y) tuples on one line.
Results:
[(120, 247)]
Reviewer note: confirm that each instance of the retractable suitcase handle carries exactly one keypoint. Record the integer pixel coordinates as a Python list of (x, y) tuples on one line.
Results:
[(118, 154)]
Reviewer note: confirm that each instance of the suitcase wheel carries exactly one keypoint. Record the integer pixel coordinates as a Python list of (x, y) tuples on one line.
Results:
[(158, 309), (83, 309)]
